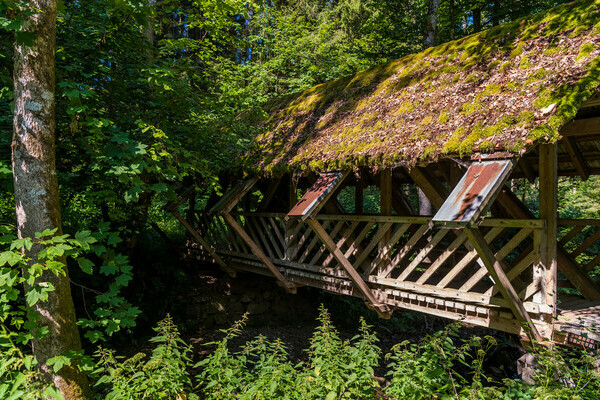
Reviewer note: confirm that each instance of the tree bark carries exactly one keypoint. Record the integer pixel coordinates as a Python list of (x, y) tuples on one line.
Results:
[(36, 187), (476, 20), (431, 23)]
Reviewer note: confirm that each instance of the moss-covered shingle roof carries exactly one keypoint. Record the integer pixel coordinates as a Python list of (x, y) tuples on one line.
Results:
[(506, 88)]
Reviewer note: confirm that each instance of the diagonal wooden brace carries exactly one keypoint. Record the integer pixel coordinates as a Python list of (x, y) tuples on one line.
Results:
[(287, 285), (496, 270), (381, 308), (226, 268)]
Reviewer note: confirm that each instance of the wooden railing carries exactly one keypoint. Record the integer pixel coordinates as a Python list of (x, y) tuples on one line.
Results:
[(580, 238), (403, 259)]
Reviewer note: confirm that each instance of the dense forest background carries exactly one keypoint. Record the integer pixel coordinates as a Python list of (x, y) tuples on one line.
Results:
[(155, 95)]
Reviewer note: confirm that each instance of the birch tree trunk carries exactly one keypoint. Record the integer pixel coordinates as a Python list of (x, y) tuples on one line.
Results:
[(36, 186), (431, 23)]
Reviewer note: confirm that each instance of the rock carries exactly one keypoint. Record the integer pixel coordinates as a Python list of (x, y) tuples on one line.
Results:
[(526, 367)]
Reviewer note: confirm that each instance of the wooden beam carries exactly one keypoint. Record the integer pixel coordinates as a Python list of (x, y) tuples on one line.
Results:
[(496, 270), (430, 185), (527, 169), (359, 196), (576, 158), (578, 277), (580, 127), (269, 193), (593, 101), (290, 287), (382, 309), (226, 268), (233, 196)]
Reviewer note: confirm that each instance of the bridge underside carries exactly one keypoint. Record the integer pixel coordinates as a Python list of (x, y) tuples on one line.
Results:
[(509, 268)]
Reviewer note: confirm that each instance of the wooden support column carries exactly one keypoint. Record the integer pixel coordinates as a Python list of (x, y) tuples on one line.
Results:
[(226, 268), (291, 242), (430, 185), (385, 209), (496, 270), (381, 308), (290, 287), (545, 273)]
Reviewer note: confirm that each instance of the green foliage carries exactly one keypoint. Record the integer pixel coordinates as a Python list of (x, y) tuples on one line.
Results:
[(163, 376)]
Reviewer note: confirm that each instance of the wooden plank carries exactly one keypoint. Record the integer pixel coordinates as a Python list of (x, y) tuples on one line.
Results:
[(389, 246), (301, 241), (347, 234), (381, 232), (266, 245), (512, 223), (592, 264), (394, 219), (429, 185), (233, 196), (269, 193), (355, 246), (467, 259), (576, 158), (385, 196), (496, 270), (422, 254), (527, 169), (226, 268), (460, 239), (381, 308), (277, 245), (577, 276), (571, 234), (578, 222), (259, 253), (405, 250), (500, 254), (336, 229), (277, 230), (312, 243), (581, 127), (586, 243)]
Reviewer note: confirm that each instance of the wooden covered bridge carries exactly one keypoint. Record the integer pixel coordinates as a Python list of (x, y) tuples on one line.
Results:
[(326, 195)]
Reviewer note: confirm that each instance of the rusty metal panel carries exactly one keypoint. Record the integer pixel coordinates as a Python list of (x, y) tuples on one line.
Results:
[(318, 193), (474, 193)]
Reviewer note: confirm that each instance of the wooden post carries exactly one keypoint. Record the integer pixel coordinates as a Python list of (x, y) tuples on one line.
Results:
[(496, 270), (385, 202), (381, 308), (548, 266)]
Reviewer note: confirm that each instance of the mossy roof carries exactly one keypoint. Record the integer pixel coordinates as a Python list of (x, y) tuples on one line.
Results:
[(506, 88)]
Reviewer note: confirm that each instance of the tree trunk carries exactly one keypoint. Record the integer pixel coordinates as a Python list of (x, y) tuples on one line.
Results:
[(496, 13), (452, 20), (36, 187), (431, 23), (476, 19)]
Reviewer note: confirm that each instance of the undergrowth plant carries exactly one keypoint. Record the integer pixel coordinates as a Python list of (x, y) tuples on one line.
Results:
[(164, 376)]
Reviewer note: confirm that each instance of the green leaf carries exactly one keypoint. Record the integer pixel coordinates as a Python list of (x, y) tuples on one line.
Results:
[(86, 265)]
